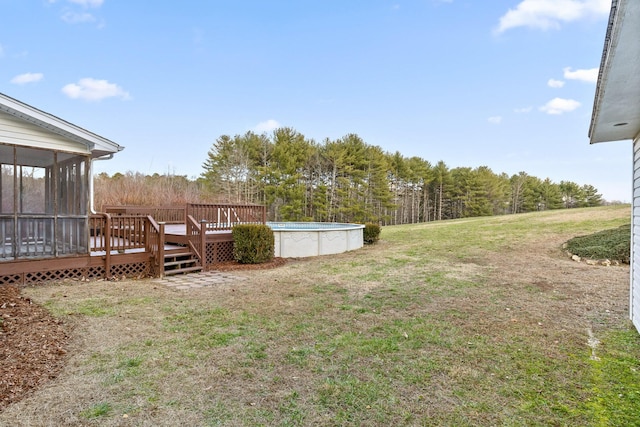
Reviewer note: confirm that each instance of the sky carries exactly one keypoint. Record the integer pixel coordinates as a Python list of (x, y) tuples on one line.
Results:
[(507, 84)]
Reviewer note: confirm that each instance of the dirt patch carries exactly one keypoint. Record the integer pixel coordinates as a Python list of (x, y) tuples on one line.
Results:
[(32, 346), (553, 288)]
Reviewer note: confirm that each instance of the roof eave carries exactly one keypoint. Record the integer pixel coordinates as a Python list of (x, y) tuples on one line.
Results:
[(616, 110), (94, 142)]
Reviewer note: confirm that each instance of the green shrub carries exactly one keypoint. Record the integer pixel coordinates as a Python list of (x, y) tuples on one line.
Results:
[(371, 233), (252, 243), (614, 244)]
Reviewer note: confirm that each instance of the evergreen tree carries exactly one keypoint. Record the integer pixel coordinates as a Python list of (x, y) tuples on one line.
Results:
[(550, 195), (590, 196), (347, 180), (571, 194), (441, 179), (286, 187), (420, 178)]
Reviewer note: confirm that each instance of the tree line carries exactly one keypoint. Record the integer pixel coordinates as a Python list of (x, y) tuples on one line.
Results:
[(342, 180), (348, 180)]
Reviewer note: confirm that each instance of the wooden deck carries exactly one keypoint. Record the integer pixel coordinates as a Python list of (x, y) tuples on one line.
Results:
[(129, 242)]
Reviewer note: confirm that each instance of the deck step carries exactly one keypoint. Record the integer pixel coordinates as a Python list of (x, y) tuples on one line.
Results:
[(179, 262), (177, 254), (182, 270)]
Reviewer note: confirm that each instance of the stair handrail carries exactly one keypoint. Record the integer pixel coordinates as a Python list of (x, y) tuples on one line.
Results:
[(155, 244), (196, 238)]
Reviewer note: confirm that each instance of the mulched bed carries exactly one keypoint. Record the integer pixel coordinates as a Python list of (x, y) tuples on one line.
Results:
[(234, 265), (32, 345)]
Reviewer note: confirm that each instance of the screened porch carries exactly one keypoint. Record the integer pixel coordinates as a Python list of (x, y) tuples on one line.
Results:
[(44, 203)]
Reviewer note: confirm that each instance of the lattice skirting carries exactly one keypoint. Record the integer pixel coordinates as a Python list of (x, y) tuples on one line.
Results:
[(218, 252), (138, 269), (129, 270)]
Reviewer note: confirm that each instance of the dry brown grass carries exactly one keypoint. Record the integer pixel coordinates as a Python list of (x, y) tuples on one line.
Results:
[(485, 325)]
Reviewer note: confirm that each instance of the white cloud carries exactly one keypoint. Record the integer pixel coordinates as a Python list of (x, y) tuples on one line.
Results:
[(555, 83), (72, 16), (77, 18), (267, 126), (90, 89), (589, 75), (559, 106), (546, 14), (523, 110), (87, 3), (27, 78), (496, 120)]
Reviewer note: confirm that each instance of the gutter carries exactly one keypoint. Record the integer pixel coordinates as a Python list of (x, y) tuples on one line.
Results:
[(603, 65)]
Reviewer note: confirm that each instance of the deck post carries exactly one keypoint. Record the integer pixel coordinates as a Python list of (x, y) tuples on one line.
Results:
[(147, 235), (107, 247), (203, 243), (161, 249)]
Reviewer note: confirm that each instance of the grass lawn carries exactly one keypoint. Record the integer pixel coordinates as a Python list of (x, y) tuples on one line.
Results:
[(481, 321)]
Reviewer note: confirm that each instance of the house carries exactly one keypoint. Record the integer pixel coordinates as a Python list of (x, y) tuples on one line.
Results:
[(45, 187), (46, 173), (49, 230), (616, 113)]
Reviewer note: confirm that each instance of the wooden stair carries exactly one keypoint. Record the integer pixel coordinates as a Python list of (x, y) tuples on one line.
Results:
[(180, 262)]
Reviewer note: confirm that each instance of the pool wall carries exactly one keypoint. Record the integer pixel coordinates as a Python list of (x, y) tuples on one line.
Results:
[(306, 239)]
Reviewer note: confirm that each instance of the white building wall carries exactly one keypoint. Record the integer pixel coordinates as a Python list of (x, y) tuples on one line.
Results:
[(634, 295), (20, 132)]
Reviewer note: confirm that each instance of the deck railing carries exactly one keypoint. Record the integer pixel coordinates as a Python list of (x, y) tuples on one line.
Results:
[(166, 214), (99, 232), (217, 216), (7, 226), (225, 216), (26, 236), (125, 233), (117, 233)]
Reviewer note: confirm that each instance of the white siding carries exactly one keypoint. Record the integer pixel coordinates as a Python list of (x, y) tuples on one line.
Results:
[(634, 297), (20, 132)]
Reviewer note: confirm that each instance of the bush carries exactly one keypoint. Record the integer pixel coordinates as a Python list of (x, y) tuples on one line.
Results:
[(252, 243), (371, 233), (614, 244)]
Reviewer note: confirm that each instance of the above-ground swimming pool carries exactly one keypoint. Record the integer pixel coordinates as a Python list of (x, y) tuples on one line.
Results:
[(305, 239)]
